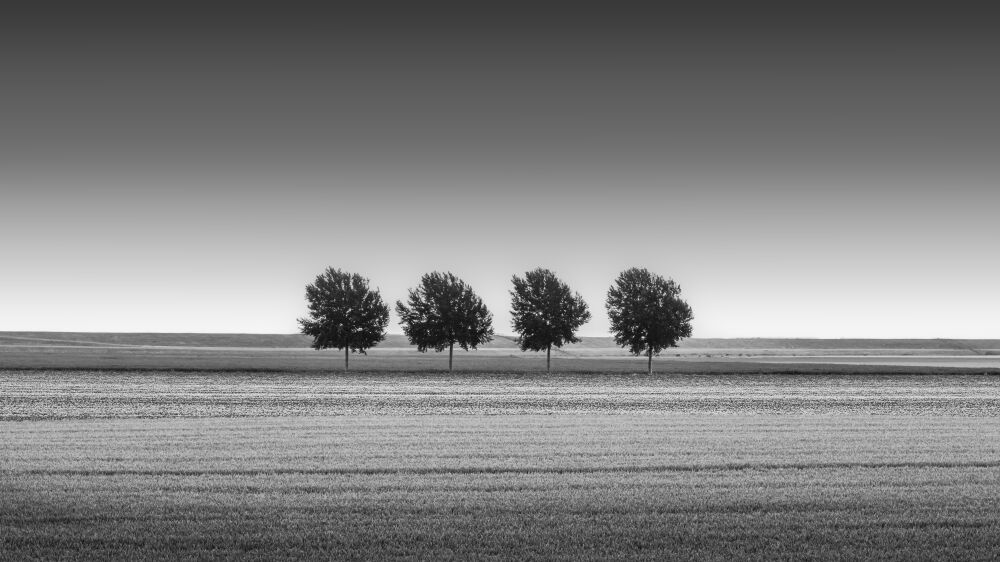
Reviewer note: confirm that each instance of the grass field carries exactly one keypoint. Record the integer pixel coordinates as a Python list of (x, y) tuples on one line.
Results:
[(41, 395), (713, 458), (587, 345), (572, 486), (290, 352)]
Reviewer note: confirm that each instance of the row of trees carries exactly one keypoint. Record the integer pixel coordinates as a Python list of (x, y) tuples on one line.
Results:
[(645, 310)]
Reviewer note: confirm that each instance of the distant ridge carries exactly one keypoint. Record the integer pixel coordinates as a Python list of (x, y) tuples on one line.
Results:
[(132, 339), (588, 344)]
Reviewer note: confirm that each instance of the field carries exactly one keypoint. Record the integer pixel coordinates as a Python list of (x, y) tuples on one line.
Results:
[(470, 486), (715, 458), (289, 352)]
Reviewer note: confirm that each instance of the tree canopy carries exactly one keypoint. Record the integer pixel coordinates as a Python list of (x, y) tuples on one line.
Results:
[(344, 313), (545, 312), (443, 311), (646, 313)]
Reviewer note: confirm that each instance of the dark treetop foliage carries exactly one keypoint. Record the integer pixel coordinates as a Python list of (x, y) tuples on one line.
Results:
[(444, 311), (545, 312), (646, 312), (344, 312)]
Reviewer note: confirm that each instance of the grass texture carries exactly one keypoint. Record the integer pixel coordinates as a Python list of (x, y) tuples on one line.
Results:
[(40, 394), (709, 465), (574, 486), (289, 352)]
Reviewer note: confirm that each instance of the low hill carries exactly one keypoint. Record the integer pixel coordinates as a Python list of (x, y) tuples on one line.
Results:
[(102, 339), (588, 345)]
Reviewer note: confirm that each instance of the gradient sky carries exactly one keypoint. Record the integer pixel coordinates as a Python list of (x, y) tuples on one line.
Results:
[(800, 174)]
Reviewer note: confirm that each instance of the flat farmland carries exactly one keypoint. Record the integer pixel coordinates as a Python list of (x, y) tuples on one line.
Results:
[(34, 395), (166, 465), (290, 352)]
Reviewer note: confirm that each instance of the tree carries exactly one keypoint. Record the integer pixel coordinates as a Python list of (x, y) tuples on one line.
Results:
[(646, 313), (344, 313), (443, 311), (545, 312)]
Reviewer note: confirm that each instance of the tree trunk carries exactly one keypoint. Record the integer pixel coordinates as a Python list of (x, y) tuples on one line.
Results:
[(649, 368), (451, 351), (548, 360), (347, 356)]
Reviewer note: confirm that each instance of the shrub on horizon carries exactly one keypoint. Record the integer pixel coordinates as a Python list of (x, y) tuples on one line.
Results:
[(344, 313), (443, 311), (646, 313), (545, 312)]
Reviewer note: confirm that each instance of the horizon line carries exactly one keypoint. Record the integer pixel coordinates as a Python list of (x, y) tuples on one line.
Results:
[(508, 336)]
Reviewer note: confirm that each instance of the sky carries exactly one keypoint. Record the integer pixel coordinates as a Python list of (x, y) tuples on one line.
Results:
[(798, 173)]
